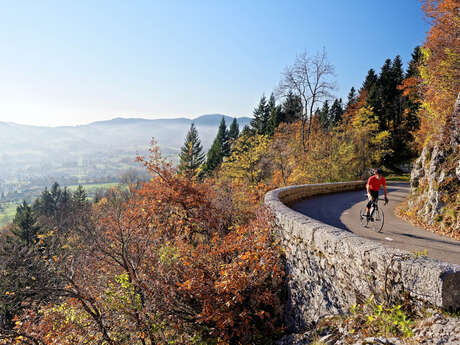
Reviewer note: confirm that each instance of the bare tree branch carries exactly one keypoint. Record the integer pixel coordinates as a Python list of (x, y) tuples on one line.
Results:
[(310, 78)]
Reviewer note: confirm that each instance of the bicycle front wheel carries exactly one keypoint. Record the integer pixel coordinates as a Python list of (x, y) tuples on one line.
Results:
[(376, 221)]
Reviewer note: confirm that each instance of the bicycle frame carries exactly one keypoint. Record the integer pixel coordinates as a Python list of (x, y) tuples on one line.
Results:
[(374, 206)]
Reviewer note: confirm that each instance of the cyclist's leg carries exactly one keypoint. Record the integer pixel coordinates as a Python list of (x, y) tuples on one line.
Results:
[(374, 196)]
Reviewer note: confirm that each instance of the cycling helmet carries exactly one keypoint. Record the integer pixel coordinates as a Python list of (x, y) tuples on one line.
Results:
[(379, 171)]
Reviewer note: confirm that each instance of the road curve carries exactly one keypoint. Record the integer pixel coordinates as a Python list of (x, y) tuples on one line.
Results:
[(342, 210)]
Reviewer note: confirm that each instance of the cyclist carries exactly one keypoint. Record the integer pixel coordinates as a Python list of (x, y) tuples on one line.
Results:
[(373, 185)]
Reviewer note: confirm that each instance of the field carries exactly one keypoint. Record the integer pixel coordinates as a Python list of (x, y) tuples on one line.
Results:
[(91, 189), (7, 212)]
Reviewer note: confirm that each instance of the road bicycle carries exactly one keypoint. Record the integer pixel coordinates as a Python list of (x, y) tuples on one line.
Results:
[(375, 219)]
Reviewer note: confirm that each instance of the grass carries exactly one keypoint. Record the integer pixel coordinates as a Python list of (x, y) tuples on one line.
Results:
[(7, 212), (398, 177), (92, 187)]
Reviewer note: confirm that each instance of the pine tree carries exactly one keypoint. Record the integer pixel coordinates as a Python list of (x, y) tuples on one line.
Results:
[(25, 221), (247, 131), (214, 157), (335, 113), (222, 136), (271, 103), (397, 70), (292, 108), (45, 205), (79, 197), (234, 130), (351, 97), (276, 117), (260, 122), (408, 123), (370, 81), (412, 69), (191, 155), (220, 148), (324, 115)]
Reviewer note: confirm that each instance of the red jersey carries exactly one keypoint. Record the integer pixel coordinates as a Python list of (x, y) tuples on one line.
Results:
[(375, 183)]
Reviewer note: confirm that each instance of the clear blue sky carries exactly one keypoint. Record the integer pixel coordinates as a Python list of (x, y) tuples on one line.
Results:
[(73, 62)]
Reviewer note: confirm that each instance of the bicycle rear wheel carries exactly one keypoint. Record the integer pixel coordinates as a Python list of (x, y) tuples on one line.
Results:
[(363, 217), (377, 220)]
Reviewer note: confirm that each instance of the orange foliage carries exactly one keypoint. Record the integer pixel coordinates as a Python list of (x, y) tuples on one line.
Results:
[(179, 260), (441, 68)]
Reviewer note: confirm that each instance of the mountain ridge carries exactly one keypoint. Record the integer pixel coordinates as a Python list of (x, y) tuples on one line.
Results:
[(98, 148), (124, 120)]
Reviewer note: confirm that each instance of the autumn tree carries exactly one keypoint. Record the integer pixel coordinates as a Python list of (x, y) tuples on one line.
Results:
[(248, 160), (309, 78), (440, 70), (371, 146), (179, 260)]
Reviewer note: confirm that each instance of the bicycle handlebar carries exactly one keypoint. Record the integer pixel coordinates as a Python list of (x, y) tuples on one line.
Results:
[(378, 199)]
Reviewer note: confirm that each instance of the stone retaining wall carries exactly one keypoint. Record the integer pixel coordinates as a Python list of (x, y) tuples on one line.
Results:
[(330, 269)]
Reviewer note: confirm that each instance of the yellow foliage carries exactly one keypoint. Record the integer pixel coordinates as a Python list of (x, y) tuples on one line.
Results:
[(247, 160)]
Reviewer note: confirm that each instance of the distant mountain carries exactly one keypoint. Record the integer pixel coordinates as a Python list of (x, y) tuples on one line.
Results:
[(105, 145)]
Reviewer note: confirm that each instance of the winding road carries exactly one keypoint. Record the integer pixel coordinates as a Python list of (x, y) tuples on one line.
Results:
[(342, 210)]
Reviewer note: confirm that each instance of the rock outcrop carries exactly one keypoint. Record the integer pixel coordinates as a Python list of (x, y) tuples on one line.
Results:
[(435, 179)]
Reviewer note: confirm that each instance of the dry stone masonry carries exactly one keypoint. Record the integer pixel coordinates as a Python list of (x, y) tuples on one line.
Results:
[(330, 269)]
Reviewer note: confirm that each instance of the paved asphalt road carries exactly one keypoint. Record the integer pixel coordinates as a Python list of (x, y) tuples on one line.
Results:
[(342, 210)]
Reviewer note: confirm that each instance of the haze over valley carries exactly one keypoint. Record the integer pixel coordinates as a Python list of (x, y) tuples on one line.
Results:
[(34, 157)]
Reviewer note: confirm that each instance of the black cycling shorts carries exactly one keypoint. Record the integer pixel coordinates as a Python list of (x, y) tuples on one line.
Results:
[(375, 195)]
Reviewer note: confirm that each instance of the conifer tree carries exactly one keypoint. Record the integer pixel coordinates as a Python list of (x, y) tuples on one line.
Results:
[(271, 102), (234, 130), (222, 136), (79, 197), (260, 122), (324, 115), (412, 69), (292, 108), (247, 131), (370, 81), (220, 148), (397, 70), (351, 97), (276, 117), (25, 221), (191, 155), (335, 113)]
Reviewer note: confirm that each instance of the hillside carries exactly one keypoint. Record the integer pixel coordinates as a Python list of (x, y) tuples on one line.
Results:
[(435, 179), (34, 157), (73, 150)]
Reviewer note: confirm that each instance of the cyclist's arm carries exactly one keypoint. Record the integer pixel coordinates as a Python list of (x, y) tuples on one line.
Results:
[(368, 189), (385, 191)]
